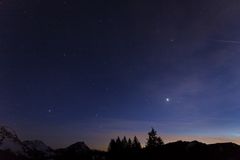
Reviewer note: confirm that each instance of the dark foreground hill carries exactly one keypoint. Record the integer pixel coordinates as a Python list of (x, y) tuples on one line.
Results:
[(12, 148), (196, 151)]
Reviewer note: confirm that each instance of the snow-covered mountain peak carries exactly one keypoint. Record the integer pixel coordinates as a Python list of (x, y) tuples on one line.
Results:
[(7, 132), (10, 141), (37, 145)]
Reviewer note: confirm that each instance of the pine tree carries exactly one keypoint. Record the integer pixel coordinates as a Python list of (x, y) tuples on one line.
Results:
[(118, 144), (124, 143), (153, 141), (129, 145), (118, 141), (112, 146), (136, 144)]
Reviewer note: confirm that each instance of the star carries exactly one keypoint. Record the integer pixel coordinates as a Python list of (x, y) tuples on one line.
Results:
[(167, 99), (49, 111)]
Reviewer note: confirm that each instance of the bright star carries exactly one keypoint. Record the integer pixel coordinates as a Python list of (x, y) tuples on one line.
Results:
[(167, 99)]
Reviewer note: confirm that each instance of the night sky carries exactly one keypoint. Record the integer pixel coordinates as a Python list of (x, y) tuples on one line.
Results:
[(92, 70)]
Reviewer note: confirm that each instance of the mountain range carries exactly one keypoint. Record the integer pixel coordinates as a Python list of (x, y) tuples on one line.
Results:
[(12, 148)]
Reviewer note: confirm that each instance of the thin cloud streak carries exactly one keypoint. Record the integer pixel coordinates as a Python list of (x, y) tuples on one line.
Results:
[(226, 41)]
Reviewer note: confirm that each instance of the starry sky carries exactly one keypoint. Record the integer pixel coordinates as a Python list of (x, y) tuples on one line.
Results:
[(91, 70)]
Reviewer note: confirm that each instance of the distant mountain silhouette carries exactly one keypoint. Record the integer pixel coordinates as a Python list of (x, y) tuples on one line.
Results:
[(38, 150), (9, 141), (12, 148), (75, 151)]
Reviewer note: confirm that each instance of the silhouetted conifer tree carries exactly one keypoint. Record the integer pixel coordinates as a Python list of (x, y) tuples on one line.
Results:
[(124, 143), (112, 146), (153, 141), (118, 145), (129, 144), (118, 141), (136, 145)]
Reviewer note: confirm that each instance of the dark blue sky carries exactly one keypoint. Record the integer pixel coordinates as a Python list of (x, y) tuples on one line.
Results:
[(92, 70)]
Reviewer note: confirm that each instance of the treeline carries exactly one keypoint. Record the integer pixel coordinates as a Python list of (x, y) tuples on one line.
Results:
[(119, 145), (154, 149), (131, 148)]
